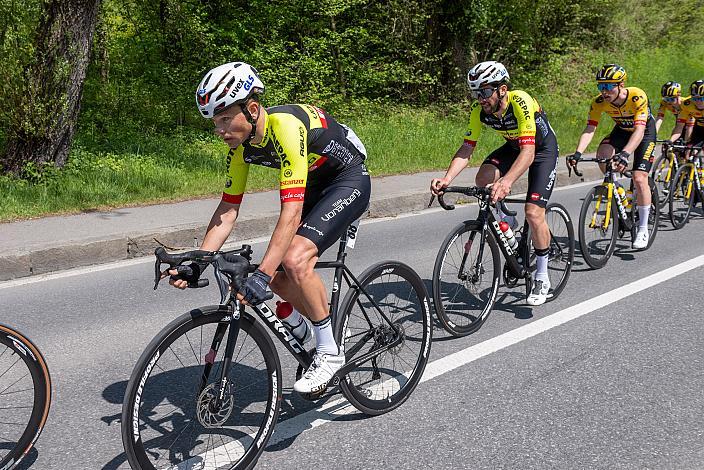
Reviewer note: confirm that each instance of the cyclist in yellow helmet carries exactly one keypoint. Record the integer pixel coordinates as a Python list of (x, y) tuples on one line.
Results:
[(634, 134), (670, 100), (691, 114)]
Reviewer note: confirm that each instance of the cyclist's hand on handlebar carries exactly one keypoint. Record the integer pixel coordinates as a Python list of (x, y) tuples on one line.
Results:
[(255, 288), (499, 190), (620, 161), (181, 276), (438, 184), (574, 158)]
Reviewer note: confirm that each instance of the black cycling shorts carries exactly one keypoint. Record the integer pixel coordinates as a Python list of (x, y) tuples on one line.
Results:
[(697, 135), (644, 155), (329, 207), (541, 173)]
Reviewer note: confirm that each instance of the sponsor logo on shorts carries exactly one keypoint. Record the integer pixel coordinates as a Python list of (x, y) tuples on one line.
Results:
[(340, 204), (535, 197), (314, 229)]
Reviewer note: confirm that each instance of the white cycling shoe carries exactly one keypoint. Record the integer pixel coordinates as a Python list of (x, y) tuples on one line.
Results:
[(539, 294), (641, 241), (320, 372)]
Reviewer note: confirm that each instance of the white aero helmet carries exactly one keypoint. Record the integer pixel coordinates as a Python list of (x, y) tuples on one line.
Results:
[(485, 73), (225, 85)]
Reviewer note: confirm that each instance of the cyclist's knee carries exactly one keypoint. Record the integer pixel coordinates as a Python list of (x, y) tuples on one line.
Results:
[(605, 151), (487, 174), (535, 215), (300, 257)]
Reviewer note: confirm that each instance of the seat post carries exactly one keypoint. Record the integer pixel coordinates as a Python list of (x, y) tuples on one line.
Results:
[(343, 245)]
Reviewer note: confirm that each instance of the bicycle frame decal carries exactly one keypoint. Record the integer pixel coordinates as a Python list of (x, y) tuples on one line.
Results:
[(500, 235), (138, 396), (272, 409), (278, 327)]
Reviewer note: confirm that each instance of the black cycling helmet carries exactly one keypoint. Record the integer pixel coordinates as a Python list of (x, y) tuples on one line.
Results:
[(671, 90), (697, 88), (611, 73)]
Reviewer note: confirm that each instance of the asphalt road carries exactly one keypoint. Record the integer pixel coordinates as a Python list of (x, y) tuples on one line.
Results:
[(609, 375)]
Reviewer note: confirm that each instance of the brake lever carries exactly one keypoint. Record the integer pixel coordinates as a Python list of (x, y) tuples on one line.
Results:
[(432, 198)]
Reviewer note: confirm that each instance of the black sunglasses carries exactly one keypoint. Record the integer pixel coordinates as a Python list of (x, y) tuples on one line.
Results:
[(483, 93)]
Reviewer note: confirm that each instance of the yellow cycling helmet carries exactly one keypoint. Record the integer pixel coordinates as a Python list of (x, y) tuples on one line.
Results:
[(611, 73), (697, 88), (671, 90)]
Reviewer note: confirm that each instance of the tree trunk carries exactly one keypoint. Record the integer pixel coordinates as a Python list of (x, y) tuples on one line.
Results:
[(46, 109)]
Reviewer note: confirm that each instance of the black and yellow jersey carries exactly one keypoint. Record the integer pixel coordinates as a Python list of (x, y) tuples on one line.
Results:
[(674, 108), (304, 142), (690, 114), (633, 112), (523, 122)]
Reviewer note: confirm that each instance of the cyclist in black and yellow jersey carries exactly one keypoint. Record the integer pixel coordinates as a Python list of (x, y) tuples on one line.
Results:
[(691, 115), (530, 146), (324, 187), (670, 101), (634, 134)]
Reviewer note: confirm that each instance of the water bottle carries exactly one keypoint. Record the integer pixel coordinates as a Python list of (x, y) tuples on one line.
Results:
[(508, 233), (295, 322)]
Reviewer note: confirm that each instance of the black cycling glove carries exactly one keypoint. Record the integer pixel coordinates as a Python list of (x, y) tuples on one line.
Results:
[(255, 288), (621, 158)]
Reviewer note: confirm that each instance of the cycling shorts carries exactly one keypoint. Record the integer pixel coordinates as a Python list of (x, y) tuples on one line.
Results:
[(697, 135), (644, 155), (541, 173), (331, 206)]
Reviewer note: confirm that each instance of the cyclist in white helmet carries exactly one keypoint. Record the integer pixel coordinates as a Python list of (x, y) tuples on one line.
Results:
[(530, 146), (320, 164)]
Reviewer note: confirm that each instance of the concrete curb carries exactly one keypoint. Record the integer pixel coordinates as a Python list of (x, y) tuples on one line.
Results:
[(394, 198)]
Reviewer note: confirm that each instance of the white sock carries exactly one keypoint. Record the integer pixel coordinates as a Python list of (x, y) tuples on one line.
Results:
[(542, 271), (325, 341), (643, 213)]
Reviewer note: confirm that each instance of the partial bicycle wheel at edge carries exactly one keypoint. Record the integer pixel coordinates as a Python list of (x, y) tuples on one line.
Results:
[(25, 396), (390, 311), (596, 243), (680, 203), (465, 288), (168, 422)]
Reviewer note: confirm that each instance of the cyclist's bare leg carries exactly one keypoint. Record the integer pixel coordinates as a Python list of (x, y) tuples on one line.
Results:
[(487, 174), (301, 285), (540, 233), (603, 152), (640, 181)]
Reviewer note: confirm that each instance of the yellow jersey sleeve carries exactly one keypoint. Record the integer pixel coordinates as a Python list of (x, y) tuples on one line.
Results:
[(640, 106), (595, 110), (524, 108), (475, 125), (291, 144), (236, 180)]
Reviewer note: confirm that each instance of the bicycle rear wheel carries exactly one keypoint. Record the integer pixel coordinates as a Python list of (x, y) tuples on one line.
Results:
[(596, 242), (653, 214), (681, 196), (25, 396), (168, 417), (465, 287), (384, 382), (662, 174), (561, 247)]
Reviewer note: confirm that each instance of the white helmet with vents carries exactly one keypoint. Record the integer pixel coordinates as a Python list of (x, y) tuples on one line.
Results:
[(486, 73), (226, 85)]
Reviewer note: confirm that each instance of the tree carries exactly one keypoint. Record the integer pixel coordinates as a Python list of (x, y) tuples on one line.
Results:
[(45, 107)]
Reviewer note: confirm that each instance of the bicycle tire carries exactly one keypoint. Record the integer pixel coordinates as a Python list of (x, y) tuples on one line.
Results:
[(595, 254), (457, 302), (378, 386), (653, 214), (662, 175), (16, 348), (561, 255), (140, 408), (680, 205)]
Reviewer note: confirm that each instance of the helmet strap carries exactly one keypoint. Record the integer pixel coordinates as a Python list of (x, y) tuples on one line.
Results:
[(250, 120)]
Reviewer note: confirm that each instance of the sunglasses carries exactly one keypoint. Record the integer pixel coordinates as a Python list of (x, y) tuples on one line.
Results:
[(606, 86), (698, 98), (483, 93), (669, 99)]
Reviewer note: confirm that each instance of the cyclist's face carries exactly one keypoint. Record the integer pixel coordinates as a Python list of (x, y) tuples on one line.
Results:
[(231, 126), (610, 91), (489, 103)]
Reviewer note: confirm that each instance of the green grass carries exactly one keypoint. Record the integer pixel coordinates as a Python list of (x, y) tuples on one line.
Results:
[(133, 170)]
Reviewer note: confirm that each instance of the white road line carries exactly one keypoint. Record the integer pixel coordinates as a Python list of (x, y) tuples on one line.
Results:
[(340, 407), (150, 258)]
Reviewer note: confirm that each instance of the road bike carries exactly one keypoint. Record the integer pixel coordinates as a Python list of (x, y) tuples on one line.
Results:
[(686, 186), (194, 402), (609, 212), (468, 268), (25, 396), (665, 168)]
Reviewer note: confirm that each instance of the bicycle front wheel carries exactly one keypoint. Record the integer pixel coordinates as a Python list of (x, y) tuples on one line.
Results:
[(389, 312), (681, 198), (598, 227), (663, 171), (170, 415), (561, 254), (25, 396), (464, 284)]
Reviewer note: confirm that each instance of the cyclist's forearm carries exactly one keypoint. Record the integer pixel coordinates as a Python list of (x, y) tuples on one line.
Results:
[(520, 166), (585, 139), (688, 133), (459, 162), (635, 139), (676, 132), (220, 226), (658, 123), (286, 227)]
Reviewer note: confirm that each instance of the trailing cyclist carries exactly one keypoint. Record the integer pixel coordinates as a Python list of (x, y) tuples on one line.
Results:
[(530, 145), (691, 115), (634, 134), (324, 187), (670, 101)]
